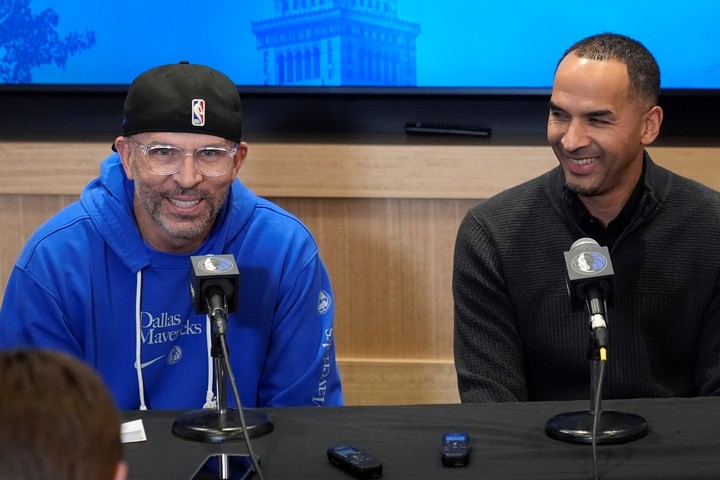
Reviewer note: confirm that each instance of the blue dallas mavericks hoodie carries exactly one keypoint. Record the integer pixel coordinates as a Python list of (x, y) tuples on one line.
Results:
[(86, 283)]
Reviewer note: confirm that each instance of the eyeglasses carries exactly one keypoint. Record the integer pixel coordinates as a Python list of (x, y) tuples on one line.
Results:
[(167, 159)]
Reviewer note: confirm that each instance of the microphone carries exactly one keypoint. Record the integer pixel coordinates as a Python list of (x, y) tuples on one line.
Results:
[(590, 283), (214, 281), (214, 286)]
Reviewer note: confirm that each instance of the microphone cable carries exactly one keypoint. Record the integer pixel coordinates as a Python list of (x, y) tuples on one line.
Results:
[(226, 359), (596, 408)]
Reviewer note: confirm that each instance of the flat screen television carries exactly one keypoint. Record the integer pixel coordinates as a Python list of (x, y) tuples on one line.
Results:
[(356, 65)]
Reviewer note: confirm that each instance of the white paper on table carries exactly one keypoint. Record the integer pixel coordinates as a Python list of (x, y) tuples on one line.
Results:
[(133, 431)]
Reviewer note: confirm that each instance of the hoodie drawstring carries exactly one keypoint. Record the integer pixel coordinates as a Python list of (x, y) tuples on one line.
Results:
[(210, 401), (138, 341)]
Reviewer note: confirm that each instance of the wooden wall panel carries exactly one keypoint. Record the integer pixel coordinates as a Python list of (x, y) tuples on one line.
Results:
[(20, 215), (339, 170), (372, 382), (390, 261)]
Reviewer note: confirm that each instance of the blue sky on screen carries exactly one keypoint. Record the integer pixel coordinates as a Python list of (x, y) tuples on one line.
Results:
[(466, 43)]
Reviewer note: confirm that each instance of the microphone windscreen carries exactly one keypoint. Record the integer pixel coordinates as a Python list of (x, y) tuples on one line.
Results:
[(585, 243)]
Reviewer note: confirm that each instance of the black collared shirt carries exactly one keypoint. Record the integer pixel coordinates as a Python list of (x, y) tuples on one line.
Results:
[(594, 228)]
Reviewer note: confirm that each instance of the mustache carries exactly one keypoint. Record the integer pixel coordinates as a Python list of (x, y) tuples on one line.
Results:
[(188, 192), (579, 153)]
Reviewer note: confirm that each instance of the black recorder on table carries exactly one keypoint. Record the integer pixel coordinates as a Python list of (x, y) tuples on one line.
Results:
[(455, 449), (355, 462)]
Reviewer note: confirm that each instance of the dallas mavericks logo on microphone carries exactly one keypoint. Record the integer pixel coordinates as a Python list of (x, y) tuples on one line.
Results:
[(589, 263), (213, 264), (210, 271)]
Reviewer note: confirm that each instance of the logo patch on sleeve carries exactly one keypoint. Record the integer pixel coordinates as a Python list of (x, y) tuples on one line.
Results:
[(324, 302)]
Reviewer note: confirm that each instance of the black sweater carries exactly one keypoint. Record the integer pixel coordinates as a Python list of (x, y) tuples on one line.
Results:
[(515, 335)]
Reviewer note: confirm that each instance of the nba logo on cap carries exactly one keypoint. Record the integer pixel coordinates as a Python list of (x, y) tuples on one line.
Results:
[(198, 112)]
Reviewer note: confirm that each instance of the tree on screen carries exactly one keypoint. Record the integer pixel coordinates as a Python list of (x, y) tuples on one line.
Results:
[(28, 41)]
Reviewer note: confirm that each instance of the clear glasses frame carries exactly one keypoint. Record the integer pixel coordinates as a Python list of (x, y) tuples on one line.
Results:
[(168, 159)]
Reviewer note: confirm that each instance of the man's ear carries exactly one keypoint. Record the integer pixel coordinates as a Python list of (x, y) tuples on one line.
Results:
[(123, 148), (651, 125), (240, 157)]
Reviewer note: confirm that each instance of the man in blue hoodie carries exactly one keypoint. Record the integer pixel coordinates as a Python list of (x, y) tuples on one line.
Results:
[(107, 278)]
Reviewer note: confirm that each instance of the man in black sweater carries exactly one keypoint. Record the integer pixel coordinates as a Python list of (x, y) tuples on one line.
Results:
[(516, 337)]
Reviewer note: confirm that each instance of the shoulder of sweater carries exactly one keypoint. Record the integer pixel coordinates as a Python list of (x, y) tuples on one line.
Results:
[(523, 194), (675, 185)]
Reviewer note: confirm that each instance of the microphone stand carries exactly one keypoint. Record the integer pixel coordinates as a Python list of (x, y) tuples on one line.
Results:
[(613, 427), (221, 424)]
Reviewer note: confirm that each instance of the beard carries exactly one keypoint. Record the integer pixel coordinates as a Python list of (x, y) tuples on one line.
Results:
[(584, 191), (181, 227)]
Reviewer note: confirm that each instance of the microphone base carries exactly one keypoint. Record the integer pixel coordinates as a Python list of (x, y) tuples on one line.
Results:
[(210, 426), (613, 427)]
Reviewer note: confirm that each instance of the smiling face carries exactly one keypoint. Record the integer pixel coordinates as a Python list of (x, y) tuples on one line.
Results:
[(597, 129), (175, 213)]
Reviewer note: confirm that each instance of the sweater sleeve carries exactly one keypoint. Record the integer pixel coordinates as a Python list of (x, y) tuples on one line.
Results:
[(488, 349), (31, 316), (708, 359), (300, 367)]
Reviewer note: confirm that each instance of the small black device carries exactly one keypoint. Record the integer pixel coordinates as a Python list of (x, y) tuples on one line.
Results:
[(356, 462), (455, 449), (425, 128)]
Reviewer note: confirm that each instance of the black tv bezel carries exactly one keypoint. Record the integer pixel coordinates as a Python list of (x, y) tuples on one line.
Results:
[(38, 110)]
